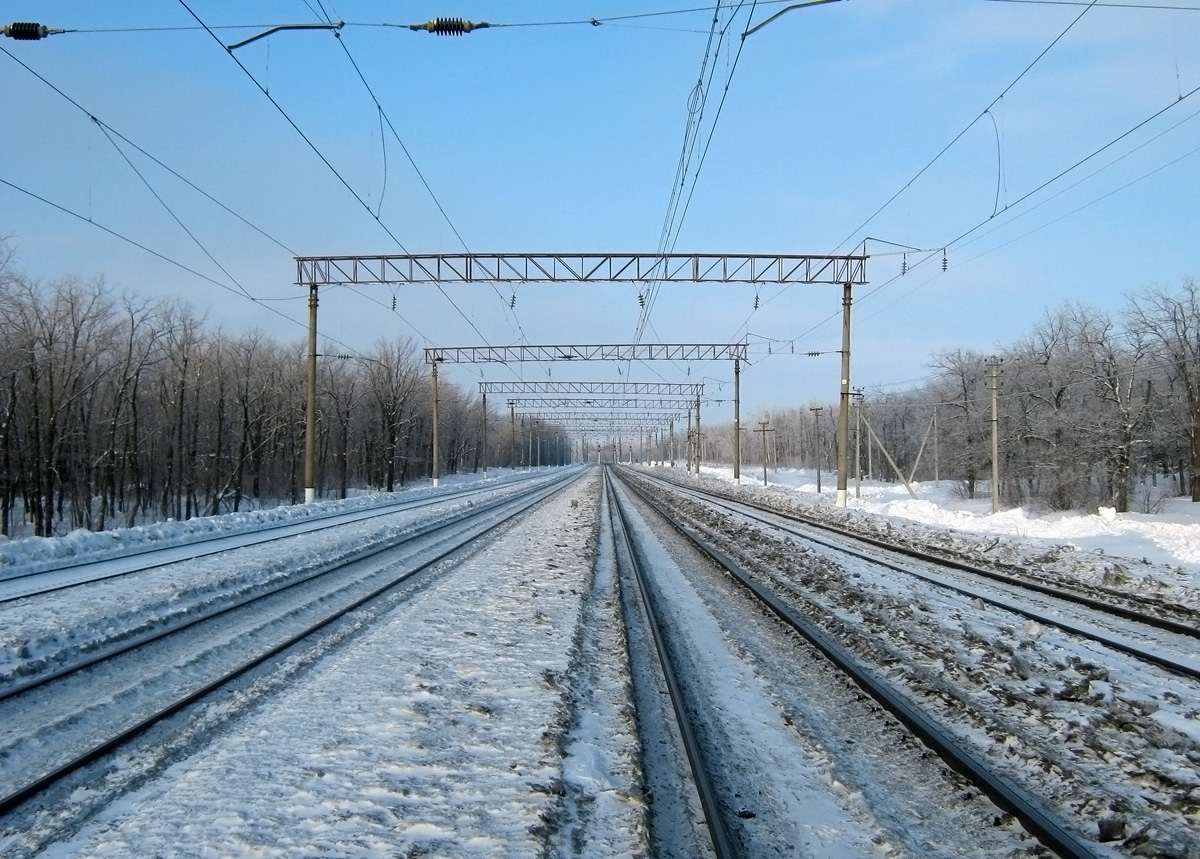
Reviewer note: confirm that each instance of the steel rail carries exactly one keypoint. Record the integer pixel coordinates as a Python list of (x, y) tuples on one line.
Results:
[(18, 796), (1066, 625), (1005, 793), (705, 788), (1162, 623), (159, 632), (308, 525)]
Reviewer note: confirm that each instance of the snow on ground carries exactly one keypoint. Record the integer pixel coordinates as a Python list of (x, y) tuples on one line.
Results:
[(31, 554), (1170, 537), (439, 732)]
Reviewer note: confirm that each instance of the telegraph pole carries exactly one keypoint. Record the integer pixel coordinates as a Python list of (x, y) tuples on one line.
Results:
[(310, 411), (843, 427), (817, 411), (512, 417), (858, 398), (485, 435), (993, 364), (436, 462), (737, 421), (764, 429)]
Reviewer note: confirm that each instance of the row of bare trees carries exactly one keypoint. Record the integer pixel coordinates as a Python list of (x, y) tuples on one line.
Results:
[(116, 410), (1093, 409)]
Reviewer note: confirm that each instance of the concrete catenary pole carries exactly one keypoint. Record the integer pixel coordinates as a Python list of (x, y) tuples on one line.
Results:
[(737, 421), (843, 427), (816, 410), (994, 385)]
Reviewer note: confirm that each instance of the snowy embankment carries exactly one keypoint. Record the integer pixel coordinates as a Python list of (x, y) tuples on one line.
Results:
[(1142, 553), (42, 633), (475, 718)]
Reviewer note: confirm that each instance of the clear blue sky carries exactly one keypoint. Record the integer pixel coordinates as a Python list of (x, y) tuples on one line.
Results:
[(566, 138)]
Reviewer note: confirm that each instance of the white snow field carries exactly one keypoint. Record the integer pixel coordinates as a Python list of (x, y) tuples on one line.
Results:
[(486, 713)]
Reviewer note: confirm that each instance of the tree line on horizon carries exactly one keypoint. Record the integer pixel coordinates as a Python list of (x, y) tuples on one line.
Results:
[(117, 410), (1093, 409)]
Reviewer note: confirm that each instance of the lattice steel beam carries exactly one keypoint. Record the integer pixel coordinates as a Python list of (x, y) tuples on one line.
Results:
[(656, 418), (657, 389), (647, 404), (620, 352), (580, 268)]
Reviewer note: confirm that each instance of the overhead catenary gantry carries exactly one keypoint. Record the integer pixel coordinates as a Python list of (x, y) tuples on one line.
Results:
[(581, 268), (654, 389), (648, 403), (436, 355), (392, 269), (599, 395)]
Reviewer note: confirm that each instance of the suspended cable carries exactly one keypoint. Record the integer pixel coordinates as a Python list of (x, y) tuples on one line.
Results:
[(327, 163)]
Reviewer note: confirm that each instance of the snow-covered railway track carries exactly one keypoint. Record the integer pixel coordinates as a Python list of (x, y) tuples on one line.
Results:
[(1148, 637), (1107, 740), (58, 721), (1025, 806), (1146, 609), (61, 574)]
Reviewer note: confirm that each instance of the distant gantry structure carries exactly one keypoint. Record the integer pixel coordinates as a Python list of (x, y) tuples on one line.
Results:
[(845, 270), (599, 352)]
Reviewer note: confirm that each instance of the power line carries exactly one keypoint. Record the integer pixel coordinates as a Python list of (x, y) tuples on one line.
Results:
[(153, 252), (385, 118), (328, 164), (104, 126), (968, 126)]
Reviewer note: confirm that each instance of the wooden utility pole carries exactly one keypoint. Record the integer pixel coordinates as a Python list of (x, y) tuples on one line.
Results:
[(310, 411), (737, 421), (764, 429), (843, 424), (817, 411), (436, 462), (858, 398), (993, 365)]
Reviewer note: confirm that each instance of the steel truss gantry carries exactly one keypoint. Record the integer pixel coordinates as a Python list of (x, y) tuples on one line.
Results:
[(737, 352), (644, 418), (364, 269), (598, 352), (645, 268), (655, 389), (648, 404)]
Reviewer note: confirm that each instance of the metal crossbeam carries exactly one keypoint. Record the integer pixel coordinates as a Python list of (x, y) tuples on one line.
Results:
[(655, 418), (601, 429), (580, 268), (658, 389), (626, 352), (647, 404)]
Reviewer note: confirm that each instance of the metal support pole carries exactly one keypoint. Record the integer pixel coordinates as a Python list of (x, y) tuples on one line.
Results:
[(512, 416), (672, 442), (816, 410), (843, 428), (437, 465), (858, 397), (763, 429), (485, 435), (994, 384), (310, 406), (690, 440), (937, 481), (737, 422), (699, 438)]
